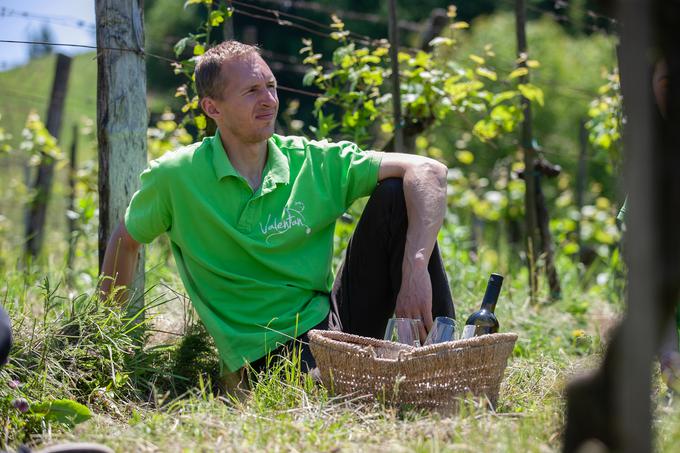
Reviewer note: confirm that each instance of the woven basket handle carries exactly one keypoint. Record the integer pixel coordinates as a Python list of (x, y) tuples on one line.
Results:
[(374, 355), (370, 350), (400, 355)]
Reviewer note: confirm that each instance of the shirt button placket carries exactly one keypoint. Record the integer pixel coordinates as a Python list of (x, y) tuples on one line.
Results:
[(250, 215), (244, 221)]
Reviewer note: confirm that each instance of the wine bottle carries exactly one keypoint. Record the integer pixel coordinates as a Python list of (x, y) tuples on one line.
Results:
[(484, 321)]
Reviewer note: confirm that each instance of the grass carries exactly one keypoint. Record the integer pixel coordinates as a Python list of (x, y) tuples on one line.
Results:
[(157, 391)]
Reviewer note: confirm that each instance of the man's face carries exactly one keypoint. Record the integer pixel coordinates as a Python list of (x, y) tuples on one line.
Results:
[(248, 104)]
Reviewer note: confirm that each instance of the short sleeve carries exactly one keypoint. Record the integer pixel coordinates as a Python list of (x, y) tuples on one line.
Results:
[(148, 215), (353, 172)]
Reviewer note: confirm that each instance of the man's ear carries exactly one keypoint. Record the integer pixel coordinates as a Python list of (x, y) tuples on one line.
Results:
[(209, 107)]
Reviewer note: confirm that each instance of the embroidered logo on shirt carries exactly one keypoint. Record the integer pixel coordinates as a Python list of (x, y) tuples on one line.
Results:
[(292, 217)]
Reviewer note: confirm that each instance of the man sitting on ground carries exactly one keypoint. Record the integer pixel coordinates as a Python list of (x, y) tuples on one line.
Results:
[(251, 216)]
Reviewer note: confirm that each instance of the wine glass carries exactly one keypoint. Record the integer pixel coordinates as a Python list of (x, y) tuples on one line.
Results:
[(403, 330), (443, 329)]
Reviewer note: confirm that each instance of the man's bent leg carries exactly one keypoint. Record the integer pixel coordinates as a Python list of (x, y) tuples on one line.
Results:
[(368, 282)]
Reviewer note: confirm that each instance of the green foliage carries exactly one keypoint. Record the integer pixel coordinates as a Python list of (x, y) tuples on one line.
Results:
[(77, 354), (38, 143), (165, 22), (63, 411), (4, 138), (606, 113), (498, 202), (27, 88), (166, 136), (569, 74), (23, 418), (483, 180), (198, 43), (86, 348), (598, 222), (433, 88), (195, 358), (283, 386)]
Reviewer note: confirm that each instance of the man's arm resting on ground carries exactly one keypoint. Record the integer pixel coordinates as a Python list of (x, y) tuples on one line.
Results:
[(120, 260), (424, 182)]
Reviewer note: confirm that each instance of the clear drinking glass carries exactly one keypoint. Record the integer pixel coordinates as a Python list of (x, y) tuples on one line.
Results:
[(443, 329), (403, 330)]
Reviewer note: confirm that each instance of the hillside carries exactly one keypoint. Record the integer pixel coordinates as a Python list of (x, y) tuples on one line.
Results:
[(28, 87)]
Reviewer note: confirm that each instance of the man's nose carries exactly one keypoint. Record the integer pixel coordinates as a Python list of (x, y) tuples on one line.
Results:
[(270, 97)]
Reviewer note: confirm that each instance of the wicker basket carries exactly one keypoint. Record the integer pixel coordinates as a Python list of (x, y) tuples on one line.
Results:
[(429, 377)]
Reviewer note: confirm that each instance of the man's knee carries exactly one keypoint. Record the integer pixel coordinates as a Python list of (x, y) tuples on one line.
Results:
[(387, 206), (390, 188)]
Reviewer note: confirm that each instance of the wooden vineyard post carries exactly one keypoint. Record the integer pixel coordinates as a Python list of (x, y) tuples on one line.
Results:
[(70, 207), (614, 403), (435, 24), (121, 119), (545, 168), (42, 186), (529, 157)]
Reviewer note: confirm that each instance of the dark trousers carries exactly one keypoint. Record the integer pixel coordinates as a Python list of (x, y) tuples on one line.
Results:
[(366, 286)]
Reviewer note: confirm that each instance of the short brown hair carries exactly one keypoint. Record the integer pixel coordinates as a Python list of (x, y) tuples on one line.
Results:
[(207, 71)]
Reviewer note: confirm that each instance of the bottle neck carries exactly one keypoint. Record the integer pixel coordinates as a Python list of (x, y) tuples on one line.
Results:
[(493, 289), (489, 306)]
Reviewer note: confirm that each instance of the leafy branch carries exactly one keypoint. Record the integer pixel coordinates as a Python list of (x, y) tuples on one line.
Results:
[(433, 86), (187, 51), (606, 117)]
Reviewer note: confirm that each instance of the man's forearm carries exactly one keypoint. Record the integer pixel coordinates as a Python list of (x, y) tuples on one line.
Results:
[(120, 260), (425, 196)]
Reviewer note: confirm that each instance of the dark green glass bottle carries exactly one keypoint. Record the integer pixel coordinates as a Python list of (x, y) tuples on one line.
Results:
[(484, 321)]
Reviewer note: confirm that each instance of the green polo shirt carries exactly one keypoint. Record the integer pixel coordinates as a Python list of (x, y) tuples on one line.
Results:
[(257, 265)]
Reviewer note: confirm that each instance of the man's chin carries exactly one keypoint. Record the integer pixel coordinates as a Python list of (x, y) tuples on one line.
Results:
[(257, 135), (262, 136), (269, 130)]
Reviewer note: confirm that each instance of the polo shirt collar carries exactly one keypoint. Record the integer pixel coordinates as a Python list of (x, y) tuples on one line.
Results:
[(221, 162), (276, 169)]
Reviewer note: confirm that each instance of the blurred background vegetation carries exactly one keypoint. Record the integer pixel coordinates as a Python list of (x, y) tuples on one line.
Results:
[(575, 48)]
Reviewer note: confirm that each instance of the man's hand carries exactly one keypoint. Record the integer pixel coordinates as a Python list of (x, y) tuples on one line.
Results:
[(415, 297)]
